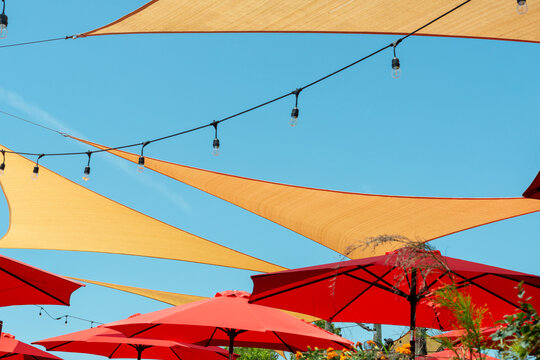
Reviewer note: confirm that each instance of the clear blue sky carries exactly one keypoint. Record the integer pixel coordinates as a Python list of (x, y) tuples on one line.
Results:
[(461, 122)]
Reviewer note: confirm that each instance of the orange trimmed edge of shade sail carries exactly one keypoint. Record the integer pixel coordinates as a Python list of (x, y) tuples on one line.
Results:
[(483, 19), (55, 213), (170, 297), (344, 221)]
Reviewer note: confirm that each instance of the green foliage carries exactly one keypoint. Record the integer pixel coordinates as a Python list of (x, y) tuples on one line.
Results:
[(468, 317), (256, 354), (519, 335)]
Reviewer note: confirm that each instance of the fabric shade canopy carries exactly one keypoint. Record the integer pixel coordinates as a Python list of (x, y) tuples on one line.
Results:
[(22, 284), (478, 19), (342, 221), (115, 345), (57, 214), (17, 350), (172, 298)]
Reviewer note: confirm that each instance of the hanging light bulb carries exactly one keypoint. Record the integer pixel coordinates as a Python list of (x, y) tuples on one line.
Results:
[(35, 172), (65, 322), (40, 309), (3, 22), (396, 67), (86, 173), (522, 7), (294, 113), (3, 164), (140, 165), (215, 143)]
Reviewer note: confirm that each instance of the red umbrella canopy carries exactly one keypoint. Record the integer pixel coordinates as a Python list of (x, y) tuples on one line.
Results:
[(450, 355), (17, 350), (486, 333), (393, 289), (113, 344), (22, 284), (228, 319)]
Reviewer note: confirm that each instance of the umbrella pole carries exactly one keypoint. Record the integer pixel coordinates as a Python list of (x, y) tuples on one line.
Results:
[(232, 335), (413, 299)]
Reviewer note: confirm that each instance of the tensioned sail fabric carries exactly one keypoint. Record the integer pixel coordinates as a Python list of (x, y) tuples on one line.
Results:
[(343, 221), (57, 214), (486, 19), (170, 297)]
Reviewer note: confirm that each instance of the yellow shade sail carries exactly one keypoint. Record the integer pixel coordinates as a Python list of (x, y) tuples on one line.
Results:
[(170, 297), (486, 19), (343, 221), (57, 214)]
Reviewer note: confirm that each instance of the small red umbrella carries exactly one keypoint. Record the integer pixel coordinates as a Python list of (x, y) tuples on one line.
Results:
[(393, 289), (449, 355), (17, 350), (485, 333), (228, 319), (113, 344), (22, 284)]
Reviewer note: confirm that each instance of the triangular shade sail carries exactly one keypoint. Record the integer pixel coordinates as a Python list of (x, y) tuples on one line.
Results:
[(57, 214), (477, 19), (342, 221), (170, 297)]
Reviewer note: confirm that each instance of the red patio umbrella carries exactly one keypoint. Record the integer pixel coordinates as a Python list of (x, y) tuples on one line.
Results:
[(393, 289), (228, 319), (455, 335), (22, 284), (449, 355), (113, 344), (17, 350)]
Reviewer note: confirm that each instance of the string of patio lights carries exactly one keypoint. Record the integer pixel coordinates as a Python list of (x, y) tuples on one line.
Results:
[(395, 72), (42, 311)]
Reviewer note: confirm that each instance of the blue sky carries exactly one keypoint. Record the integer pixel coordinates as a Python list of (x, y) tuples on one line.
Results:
[(460, 122)]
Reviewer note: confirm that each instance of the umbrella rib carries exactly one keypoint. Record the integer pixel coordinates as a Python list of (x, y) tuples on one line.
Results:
[(59, 345), (32, 285), (356, 297), (284, 343), (7, 355), (175, 354), (381, 278), (488, 291), (509, 278), (433, 283), (140, 332), (393, 291), (116, 348), (302, 285), (211, 337)]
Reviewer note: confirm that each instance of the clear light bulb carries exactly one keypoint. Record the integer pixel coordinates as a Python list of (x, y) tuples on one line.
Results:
[(35, 173), (140, 165), (294, 117), (396, 68), (215, 145), (522, 7), (86, 174), (3, 26), (2, 168)]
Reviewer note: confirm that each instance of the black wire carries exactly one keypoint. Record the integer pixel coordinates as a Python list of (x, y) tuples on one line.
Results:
[(33, 123), (39, 41), (215, 122), (43, 310)]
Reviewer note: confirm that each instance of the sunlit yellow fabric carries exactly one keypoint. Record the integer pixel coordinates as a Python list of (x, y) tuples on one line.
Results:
[(343, 221), (489, 19), (57, 214), (170, 297)]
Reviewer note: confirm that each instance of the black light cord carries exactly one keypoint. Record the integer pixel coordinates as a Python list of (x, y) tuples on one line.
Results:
[(39, 41), (42, 310), (216, 122)]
